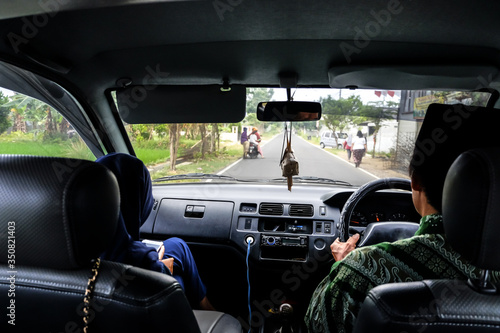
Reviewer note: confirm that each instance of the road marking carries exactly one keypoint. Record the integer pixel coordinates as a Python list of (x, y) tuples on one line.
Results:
[(317, 147), (339, 158), (229, 167)]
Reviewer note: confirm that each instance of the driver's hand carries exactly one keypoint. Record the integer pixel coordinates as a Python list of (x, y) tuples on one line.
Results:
[(340, 250)]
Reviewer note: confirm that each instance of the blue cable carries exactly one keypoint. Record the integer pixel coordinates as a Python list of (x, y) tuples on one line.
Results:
[(248, 281)]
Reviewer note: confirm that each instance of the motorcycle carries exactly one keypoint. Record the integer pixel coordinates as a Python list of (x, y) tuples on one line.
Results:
[(253, 150)]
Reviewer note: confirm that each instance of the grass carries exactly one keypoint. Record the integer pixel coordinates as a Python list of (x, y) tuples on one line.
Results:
[(152, 156), (212, 163), (335, 151), (150, 153), (314, 139), (72, 149), (31, 148)]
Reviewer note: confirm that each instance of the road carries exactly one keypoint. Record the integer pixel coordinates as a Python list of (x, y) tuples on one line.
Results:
[(313, 161)]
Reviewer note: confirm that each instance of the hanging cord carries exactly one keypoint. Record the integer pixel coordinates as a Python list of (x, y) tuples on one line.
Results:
[(89, 293), (283, 144), (289, 142), (288, 139), (248, 281)]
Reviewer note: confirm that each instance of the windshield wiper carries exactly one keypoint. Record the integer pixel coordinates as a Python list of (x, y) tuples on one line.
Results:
[(312, 179), (196, 175)]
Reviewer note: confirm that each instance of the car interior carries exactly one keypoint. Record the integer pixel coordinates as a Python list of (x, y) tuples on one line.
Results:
[(136, 76)]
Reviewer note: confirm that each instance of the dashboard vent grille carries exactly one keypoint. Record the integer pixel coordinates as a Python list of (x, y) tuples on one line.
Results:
[(301, 210), (271, 209)]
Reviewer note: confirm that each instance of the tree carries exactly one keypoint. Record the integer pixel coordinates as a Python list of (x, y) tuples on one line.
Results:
[(204, 143), (50, 123), (190, 130), (337, 113), (257, 95), (17, 105), (214, 138), (173, 133), (250, 119), (480, 98), (309, 125), (4, 113), (30, 109), (377, 112)]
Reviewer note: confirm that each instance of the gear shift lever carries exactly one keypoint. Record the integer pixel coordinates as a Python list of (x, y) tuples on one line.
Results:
[(286, 312)]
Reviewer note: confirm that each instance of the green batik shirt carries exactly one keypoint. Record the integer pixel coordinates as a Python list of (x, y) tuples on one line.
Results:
[(338, 298)]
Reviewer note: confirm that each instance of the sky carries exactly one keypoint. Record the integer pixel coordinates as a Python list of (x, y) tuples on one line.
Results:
[(6, 92), (315, 94), (310, 94)]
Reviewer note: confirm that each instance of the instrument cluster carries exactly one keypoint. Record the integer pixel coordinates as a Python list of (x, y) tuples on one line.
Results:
[(363, 219)]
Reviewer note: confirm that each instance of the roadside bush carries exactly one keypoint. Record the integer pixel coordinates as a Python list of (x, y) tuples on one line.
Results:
[(17, 136)]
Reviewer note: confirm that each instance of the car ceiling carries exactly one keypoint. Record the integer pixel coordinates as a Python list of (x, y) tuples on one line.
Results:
[(89, 45)]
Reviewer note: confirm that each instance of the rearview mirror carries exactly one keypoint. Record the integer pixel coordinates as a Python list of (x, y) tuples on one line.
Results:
[(289, 111)]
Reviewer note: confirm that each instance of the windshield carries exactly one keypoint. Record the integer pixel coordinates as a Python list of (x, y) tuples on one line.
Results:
[(362, 135)]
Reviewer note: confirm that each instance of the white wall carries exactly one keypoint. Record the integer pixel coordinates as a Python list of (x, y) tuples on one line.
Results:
[(386, 137)]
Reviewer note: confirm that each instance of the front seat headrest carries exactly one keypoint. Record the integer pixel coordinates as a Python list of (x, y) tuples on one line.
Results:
[(60, 212), (446, 132), (471, 207)]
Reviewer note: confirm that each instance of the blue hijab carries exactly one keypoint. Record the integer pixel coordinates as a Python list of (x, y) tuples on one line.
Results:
[(136, 203)]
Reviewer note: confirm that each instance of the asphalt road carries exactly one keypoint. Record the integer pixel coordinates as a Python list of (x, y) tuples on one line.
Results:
[(313, 161)]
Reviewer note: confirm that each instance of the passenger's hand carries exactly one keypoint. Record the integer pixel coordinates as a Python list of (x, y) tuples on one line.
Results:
[(169, 262), (161, 252), (340, 250)]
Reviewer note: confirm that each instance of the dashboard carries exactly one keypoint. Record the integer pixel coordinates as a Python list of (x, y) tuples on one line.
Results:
[(279, 225), (289, 234)]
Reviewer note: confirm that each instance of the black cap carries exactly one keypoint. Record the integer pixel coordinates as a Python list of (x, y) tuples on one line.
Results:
[(446, 132)]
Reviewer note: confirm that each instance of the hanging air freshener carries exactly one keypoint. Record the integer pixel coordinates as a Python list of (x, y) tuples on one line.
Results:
[(289, 164)]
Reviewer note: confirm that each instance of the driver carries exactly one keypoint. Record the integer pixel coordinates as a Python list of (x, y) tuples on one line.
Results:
[(427, 255)]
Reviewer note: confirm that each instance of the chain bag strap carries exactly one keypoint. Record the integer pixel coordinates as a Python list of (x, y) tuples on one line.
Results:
[(89, 293)]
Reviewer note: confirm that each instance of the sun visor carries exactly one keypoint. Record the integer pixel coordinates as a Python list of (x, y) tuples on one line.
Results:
[(446, 77), (181, 104)]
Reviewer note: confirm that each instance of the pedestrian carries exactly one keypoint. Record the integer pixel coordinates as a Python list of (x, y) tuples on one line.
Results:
[(358, 148), (348, 146), (244, 142)]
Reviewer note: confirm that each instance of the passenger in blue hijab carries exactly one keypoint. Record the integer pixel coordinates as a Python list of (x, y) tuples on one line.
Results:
[(136, 203)]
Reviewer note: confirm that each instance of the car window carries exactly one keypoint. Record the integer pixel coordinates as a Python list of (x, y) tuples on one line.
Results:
[(387, 121), (29, 126)]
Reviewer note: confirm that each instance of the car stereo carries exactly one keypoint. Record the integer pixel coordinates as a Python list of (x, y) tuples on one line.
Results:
[(283, 241)]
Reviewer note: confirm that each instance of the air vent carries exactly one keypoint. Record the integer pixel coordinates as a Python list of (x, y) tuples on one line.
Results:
[(271, 209), (301, 210)]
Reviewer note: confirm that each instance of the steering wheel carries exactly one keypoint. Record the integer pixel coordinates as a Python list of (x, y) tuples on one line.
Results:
[(382, 231)]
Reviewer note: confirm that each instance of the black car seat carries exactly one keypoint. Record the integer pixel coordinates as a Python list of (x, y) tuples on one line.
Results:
[(56, 217), (471, 217)]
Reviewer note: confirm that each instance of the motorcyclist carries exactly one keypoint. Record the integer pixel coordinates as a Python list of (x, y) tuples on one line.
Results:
[(258, 139), (252, 139)]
